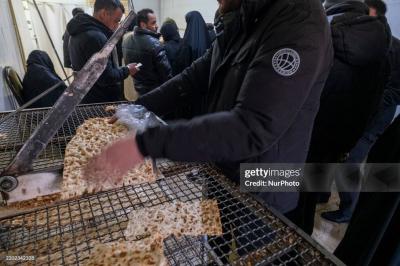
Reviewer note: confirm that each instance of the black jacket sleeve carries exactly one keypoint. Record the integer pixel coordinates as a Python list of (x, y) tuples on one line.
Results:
[(162, 64), (392, 89), (194, 80), (266, 107), (111, 74)]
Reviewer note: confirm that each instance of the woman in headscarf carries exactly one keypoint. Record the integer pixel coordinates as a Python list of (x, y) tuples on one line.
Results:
[(172, 42), (40, 76), (196, 40)]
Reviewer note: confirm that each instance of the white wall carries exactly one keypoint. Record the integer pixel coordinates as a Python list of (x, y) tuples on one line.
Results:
[(152, 4), (177, 9), (9, 53), (393, 16)]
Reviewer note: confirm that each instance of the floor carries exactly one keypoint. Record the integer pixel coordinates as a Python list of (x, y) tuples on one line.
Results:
[(326, 233)]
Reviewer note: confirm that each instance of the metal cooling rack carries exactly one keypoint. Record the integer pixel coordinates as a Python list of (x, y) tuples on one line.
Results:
[(65, 234), (16, 130)]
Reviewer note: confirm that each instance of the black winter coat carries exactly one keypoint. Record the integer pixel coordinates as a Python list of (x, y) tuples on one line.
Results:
[(40, 76), (172, 49), (256, 109), (88, 36), (377, 240), (143, 46), (172, 44), (355, 85)]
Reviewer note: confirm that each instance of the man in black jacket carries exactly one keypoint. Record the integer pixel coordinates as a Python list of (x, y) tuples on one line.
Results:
[(380, 120), (260, 84), (67, 60), (379, 246), (391, 94), (88, 36), (351, 94), (143, 46)]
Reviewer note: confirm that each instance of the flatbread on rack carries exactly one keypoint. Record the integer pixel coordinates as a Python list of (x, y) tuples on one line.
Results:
[(91, 137), (176, 218)]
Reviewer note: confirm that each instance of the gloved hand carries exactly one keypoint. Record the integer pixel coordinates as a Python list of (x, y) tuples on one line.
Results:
[(136, 117)]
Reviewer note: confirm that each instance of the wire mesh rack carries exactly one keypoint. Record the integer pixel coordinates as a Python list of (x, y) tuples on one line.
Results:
[(18, 128), (65, 233)]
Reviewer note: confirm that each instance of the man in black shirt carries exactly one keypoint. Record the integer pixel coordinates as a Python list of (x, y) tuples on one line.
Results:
[(88, 36)]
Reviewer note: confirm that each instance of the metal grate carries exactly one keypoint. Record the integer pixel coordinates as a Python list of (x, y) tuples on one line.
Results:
[(16, 130), (65, 234)]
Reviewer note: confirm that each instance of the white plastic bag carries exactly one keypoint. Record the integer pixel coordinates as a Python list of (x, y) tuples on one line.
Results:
[(137, 117)]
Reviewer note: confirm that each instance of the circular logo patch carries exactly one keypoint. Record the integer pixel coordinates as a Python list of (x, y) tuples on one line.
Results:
[(286, 62)]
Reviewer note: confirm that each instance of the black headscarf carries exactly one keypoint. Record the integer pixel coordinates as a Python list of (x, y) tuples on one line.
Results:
[(169, 31), (40, 76), (196, 34), (42, 60)]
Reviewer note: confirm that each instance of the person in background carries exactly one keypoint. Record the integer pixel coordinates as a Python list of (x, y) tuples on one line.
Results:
[(172, 42), (88, 36), (40, 76), (67, 59), (144, 46), (211, 31), (350, 97), (196, 40), (167, 20), (381, 119), (391, 94)]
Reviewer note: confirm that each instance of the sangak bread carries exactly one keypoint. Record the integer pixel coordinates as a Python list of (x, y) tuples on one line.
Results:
[(146, 252), (176, 218), (91, 137)]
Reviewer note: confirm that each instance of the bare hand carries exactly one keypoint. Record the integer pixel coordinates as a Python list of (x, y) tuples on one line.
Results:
[(113, 163), (132, 69)]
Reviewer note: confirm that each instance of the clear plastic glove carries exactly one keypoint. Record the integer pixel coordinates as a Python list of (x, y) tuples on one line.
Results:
[(136, 117)]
